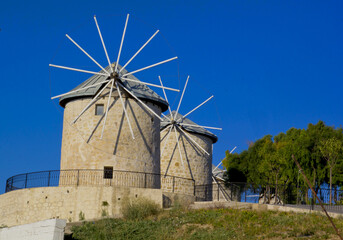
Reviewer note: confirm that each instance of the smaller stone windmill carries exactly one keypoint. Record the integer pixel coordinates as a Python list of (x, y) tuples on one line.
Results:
[(218, 181), (186, 147), (218, 172)]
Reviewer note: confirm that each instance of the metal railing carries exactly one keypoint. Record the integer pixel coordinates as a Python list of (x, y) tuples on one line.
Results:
[(305, 197), (280, 194), (90, 177), (261, 193), (217, 191), (203, 192)]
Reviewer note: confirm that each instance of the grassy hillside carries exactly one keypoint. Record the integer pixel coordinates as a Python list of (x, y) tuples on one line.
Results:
[(212, 224)]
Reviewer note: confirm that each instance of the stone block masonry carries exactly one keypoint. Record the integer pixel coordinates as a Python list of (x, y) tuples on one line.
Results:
[(71, 203), (83, 147), (195, 164)]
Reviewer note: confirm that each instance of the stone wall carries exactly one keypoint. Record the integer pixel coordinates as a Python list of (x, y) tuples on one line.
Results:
[(36, 204), (83, 148), (52, 229), (177, 200), (196, 165), (176, 184)]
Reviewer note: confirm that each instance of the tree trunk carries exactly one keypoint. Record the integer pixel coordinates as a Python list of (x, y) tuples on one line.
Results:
[(268, 194), (276, 188), (330, 185), (314, 177)]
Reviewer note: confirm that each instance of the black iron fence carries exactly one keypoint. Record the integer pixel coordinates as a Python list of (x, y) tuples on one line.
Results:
[(280, 194), (264, 194), (203, 192), (290, 195), (306, 197), (87, 177), (243, 192), (218, 191)]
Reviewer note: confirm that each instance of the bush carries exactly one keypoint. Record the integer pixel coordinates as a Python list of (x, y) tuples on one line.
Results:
[(139, 209), (104, 213), (81, 216)]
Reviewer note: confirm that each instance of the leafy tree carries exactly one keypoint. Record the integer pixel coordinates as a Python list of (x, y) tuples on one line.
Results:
[(331, 150), (234, 173), (268, 160)]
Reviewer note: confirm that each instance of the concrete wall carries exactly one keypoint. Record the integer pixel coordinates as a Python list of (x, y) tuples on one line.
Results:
[(280, 208), (36, 204), (258, 207), (177, 199), (82, 147), (52, 229), (197, 165)]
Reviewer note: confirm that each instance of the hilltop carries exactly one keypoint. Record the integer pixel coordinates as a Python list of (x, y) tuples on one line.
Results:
[(212, 224)]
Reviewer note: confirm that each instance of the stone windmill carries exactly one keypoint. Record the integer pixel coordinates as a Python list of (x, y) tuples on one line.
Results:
[(111, 121), (186, 148), (218, 181)]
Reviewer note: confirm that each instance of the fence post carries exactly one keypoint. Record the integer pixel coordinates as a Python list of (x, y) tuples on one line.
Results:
[(7, 186), (26, 180), (218, 190), (144, 180), (49, 179), (78, 175), (231, 189), (173, 182), (297, 195), (245, 193)]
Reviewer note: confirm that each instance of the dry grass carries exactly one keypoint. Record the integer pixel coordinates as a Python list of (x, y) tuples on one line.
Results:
[(213, 224), (139, 209)]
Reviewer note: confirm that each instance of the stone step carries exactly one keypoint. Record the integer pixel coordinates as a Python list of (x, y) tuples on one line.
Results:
[(220, 204)]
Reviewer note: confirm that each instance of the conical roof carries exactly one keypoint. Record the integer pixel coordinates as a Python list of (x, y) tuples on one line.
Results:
[(140, 90), (198, 129)]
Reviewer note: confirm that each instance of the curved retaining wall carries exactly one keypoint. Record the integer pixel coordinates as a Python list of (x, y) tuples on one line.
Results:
[(36, 204)]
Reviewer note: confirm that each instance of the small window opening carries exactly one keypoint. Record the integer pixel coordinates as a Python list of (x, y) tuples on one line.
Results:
[(99, 109), (108, 172)]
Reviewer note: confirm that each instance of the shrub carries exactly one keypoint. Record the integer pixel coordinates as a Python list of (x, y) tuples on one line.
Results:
[(139, 209), (81, 216), (104, 213)]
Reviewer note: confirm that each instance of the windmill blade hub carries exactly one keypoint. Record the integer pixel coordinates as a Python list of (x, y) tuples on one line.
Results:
[(114, 76)]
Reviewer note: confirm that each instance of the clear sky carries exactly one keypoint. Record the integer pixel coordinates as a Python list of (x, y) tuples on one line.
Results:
[(271, 65)]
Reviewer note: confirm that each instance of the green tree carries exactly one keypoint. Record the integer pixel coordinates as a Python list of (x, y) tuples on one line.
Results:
[(331, 150), (268, 159)]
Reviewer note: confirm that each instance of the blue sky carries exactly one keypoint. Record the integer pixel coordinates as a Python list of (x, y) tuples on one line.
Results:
[(271, 65)]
